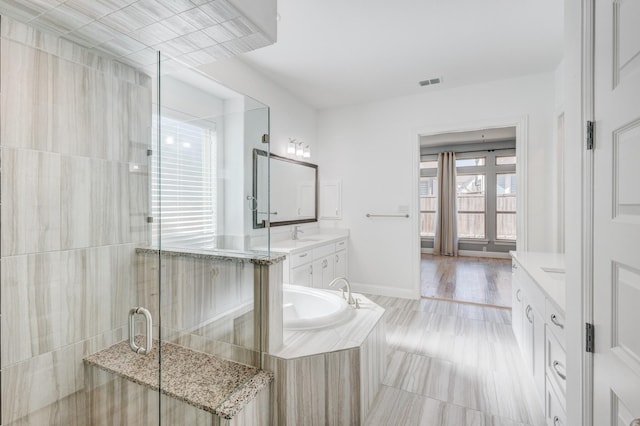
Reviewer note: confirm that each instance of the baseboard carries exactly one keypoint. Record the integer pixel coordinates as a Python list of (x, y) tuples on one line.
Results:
[(381, 290), (473, 253), (493, 254)]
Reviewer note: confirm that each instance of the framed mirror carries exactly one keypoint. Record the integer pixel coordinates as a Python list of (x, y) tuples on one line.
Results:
[(293, 191)]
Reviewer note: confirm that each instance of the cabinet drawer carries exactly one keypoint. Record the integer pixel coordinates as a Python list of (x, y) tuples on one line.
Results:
[(300, 258), (323, 251), (556, 362), (341, 245), (554, 407), (555, 319)]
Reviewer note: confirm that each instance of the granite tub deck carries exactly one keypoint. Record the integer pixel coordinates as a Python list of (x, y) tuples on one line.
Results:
[(329, 376), (220, 387)]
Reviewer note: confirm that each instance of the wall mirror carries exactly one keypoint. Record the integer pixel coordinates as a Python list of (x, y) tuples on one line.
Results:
[(293, 191)]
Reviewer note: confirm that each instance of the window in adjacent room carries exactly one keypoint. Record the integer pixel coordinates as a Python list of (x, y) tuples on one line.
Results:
[(428, 197), (506, 206), (472, 205)]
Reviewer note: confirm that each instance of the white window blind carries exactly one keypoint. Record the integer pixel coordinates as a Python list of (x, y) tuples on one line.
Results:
[(183, 185)]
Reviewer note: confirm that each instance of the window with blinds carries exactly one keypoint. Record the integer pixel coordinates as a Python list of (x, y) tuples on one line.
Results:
[(183, 185)]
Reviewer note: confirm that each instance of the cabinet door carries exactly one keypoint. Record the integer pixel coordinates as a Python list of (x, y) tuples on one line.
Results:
[(302, 275), (327, 271), (517, 310), (527, 336), (539, 341), (317, 274), (331, 200), (340, 260)]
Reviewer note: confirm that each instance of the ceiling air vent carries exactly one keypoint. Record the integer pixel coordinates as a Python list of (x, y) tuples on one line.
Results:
[(430, 82)]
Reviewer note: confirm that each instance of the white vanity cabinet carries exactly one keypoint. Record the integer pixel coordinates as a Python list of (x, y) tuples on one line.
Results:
[(323, 266), (531, 327), (538, 325), (318, 265)]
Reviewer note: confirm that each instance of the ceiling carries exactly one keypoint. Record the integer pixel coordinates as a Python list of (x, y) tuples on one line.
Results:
[(335, 52), (497, 134), (194, 32)]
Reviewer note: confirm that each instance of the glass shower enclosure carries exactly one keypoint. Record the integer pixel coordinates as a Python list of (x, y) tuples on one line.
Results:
[(124, 191)]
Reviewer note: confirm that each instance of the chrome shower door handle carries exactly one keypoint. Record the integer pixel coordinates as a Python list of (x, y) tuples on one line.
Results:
[(148, 329)]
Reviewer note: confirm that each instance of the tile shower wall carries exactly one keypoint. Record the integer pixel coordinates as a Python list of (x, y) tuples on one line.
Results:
[(74, 185), (207, 304)]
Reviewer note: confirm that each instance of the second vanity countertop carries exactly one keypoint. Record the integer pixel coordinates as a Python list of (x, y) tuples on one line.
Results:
[(305, 242), (547, 270)]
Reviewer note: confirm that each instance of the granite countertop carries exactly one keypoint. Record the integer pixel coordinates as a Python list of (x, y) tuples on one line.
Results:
[(257, 257), (349, 335), (212, 384), (547, 270)]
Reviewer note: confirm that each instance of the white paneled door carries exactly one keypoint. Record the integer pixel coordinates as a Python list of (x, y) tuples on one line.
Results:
[(617, 213)]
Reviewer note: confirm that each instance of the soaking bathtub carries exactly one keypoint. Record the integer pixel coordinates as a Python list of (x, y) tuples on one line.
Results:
[(309, 308)]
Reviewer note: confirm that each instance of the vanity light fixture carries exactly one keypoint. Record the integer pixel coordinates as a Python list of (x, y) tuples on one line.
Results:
[(299, 150), (291, 148), (307, 152)]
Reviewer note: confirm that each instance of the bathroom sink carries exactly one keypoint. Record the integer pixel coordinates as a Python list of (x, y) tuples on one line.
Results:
[(294, 243)]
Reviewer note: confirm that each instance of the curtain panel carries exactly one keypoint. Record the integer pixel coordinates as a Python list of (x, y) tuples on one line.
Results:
[(446, 241)]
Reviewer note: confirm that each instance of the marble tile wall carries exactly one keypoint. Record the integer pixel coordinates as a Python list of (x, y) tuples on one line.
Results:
[(373, 361), (74, 129), (206, 305), (268, 283), (332, 388)]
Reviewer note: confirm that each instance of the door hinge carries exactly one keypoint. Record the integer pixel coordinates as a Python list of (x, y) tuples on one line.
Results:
[(265, 138), (149, 153), (149, 219), (590, 338), (590, 126)]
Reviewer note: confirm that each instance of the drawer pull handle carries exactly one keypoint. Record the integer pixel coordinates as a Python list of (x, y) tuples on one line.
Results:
[(554, 319), (555, 367), (527, 312), (303, 255), (518, 298), (556, 421), (337, 259)]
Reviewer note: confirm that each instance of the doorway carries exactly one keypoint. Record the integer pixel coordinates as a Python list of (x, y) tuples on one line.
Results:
[(490, 175)]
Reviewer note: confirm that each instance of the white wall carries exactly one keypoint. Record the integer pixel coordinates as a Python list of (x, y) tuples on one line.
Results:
[(370, 147), (289, 117)]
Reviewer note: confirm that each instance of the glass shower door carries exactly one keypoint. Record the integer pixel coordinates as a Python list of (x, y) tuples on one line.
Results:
[(205, 302)]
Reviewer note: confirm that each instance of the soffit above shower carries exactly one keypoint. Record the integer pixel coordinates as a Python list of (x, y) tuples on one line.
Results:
[(195, 32)]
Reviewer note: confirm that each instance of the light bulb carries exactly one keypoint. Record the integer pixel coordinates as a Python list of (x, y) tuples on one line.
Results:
[(291, 148), (307, 152), (299, 150)]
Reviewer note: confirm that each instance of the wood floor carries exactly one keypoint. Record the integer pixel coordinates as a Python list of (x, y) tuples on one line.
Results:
[(452, 364), (466, 279)]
